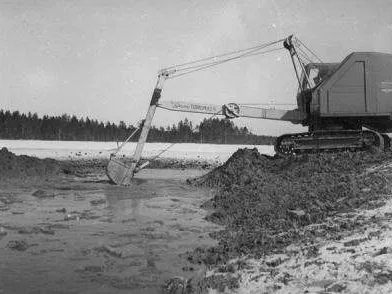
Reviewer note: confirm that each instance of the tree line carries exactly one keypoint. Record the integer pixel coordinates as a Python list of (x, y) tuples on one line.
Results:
[(16, 125)]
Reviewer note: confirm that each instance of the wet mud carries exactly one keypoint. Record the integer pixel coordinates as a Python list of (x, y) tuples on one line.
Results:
[(76, 233), (70, 231)]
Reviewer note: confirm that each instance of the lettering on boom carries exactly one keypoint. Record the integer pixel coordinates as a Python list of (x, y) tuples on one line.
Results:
[(195, 107), (208, 108), (181, 106)]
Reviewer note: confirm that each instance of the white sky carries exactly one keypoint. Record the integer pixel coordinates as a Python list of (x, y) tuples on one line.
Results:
[(100, 58)]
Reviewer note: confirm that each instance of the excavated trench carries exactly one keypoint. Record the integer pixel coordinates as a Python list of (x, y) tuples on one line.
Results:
[(65, 229), (260, 201)]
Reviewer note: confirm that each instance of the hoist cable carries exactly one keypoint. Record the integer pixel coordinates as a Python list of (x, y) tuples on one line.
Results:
[(217, 61), (126, 141), (202, 67), (304, 56), (300, 50), (170, 146), (222, 55), (314, 54)]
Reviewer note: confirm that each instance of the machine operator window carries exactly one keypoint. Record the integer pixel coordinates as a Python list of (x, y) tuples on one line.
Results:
[(314, 76)]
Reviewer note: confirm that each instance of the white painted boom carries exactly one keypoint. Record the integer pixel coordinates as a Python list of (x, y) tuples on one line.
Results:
[(233, 110)]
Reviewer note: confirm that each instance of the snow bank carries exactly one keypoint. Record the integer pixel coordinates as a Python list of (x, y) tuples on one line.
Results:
[(86, 149)]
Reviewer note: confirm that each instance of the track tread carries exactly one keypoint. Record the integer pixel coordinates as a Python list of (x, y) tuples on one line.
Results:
[(330, 141)]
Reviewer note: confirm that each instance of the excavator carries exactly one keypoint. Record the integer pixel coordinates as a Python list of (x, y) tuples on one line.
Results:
[(345, 105)]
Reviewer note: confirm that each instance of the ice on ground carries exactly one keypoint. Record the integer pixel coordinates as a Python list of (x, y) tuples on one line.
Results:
[(88, 150), (360, 262)]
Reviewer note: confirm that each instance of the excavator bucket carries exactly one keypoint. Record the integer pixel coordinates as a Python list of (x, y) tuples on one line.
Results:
[(119, 172)]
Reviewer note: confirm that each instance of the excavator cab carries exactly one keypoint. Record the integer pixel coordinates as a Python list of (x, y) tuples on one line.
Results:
[(315, 74)]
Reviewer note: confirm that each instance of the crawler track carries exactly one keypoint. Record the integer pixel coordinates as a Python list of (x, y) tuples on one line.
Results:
[(330, 141)]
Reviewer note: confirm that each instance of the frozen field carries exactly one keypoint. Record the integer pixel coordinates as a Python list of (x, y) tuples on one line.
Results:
[(83, 149)]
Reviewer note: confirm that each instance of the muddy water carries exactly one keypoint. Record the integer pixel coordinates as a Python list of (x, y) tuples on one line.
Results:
[(83, 235)]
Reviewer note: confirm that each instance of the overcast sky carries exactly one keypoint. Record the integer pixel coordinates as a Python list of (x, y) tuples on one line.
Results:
[(100, 58)]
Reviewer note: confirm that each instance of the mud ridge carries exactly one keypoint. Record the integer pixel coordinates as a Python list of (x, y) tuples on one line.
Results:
[(86, 167), (25, 168), (263, 201)]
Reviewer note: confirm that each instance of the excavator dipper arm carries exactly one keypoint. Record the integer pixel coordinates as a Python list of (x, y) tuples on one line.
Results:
[(121, 173)]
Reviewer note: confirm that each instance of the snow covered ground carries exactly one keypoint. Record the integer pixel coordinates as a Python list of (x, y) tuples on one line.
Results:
[(83, 149), (357, 261)]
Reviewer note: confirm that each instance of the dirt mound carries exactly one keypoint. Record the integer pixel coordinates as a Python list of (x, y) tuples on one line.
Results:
[(261, 200), (24, 168)]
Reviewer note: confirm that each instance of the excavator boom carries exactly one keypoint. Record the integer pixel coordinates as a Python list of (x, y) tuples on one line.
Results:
[(183, 106), (234, 110)]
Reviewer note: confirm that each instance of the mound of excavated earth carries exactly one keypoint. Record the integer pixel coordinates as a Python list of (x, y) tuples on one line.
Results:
[(25, 168), (263, 200)]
